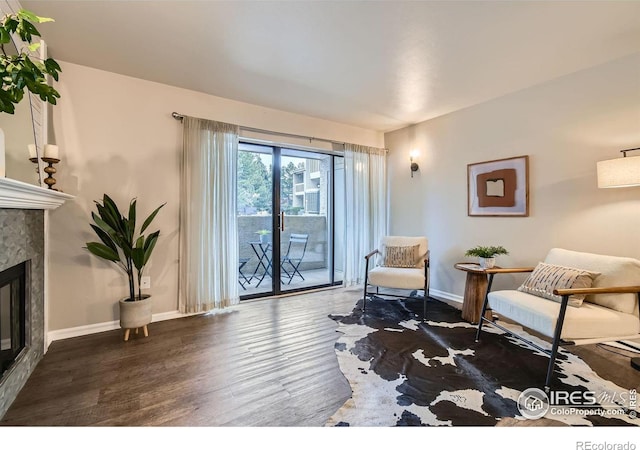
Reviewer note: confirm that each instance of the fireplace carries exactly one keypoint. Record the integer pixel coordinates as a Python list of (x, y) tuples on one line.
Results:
[(22, 212), (21, 299), (13, 315)]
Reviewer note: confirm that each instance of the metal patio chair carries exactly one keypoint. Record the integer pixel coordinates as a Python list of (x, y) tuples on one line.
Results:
[(242, 278), (295, 253)]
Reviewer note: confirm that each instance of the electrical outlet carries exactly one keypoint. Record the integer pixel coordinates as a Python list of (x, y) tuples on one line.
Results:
[(145, 283)]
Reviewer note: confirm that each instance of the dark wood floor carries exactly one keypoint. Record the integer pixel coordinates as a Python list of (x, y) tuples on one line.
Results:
[(265, 363)]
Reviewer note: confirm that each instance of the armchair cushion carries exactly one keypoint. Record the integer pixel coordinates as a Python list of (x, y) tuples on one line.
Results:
[(401, 256), (614, 271), (397, 278), (587, 322), (547, 277)]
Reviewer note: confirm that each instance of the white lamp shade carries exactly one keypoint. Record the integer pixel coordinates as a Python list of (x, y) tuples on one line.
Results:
[(619, 172)]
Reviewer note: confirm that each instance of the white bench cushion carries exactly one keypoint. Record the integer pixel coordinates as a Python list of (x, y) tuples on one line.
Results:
[(614, 271), (396, 277), (540, 314)]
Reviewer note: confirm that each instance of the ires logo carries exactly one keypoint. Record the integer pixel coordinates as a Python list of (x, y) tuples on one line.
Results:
[(576, 398), (534, 403)]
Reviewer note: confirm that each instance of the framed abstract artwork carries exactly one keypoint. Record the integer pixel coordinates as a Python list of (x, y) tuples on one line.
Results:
[(499, 188)]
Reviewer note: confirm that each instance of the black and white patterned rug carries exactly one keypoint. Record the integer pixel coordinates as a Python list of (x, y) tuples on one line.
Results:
[(403, 371)]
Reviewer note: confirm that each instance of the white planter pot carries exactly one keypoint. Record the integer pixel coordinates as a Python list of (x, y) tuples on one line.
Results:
[(135, 314), (487, 263)]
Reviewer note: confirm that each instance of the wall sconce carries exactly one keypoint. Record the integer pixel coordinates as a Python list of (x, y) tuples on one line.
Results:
[(414, 165), (619, 172)]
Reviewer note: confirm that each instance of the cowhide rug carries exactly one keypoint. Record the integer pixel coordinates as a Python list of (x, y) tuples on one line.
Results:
[(403, 371)]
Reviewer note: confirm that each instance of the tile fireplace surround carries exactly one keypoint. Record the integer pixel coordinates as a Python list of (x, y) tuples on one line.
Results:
[(22, 238)]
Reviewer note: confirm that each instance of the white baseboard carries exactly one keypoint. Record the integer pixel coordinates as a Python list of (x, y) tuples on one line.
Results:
[(441, 295), (629, 346), (84, 330)]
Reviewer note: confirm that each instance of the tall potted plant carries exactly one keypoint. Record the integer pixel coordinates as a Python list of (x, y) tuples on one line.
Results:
[(129, 251)]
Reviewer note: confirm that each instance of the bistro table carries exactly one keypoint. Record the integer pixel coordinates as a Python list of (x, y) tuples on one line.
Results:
[(263, 253)]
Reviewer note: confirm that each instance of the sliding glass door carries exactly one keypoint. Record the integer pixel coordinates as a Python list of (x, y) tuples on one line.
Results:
[(288, 225), (255, 219)]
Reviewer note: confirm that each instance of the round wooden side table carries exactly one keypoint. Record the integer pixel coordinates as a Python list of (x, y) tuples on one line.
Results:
[(474, 291)]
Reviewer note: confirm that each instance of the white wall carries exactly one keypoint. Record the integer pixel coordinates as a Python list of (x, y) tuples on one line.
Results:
[(565, 126), (116, 136)]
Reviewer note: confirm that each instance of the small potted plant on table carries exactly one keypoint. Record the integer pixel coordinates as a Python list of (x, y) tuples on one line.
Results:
[(264, 236), (486, 254)]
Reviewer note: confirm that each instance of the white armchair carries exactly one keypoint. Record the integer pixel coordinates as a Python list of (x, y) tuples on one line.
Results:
[(548, 304), (401, 262)]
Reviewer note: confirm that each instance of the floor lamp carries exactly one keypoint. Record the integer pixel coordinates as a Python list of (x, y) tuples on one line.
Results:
[(617, 173)]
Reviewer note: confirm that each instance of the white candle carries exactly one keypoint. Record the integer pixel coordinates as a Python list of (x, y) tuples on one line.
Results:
[(32, 151), (51, 151)]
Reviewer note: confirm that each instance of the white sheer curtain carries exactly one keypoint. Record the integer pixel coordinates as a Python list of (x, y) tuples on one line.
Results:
[(208, 226), (366, 206)]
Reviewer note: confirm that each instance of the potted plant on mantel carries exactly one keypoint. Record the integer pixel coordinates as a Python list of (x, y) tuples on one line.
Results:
[(486, 254), (128, 251), (18, 71)]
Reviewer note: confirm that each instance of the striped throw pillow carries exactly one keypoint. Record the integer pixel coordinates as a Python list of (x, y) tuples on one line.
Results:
[(547, 277), (401, 256)]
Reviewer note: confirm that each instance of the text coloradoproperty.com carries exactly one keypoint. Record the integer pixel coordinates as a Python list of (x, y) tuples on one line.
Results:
[(571, 411)]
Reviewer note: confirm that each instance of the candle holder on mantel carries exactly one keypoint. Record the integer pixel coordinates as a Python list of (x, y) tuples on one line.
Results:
[(50, 170), (35, 161)]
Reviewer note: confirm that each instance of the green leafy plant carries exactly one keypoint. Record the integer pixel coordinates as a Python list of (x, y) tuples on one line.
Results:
[(120, 245), (19, 71), (486, 252), (263, 232)]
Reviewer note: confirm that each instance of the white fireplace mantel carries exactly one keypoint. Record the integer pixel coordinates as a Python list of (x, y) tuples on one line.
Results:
[(19, 195)]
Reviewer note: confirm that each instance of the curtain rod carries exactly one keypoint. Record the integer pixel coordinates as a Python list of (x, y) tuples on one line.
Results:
[(179, 116)]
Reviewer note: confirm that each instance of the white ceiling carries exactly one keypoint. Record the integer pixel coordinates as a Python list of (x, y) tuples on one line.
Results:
[(377, 65)]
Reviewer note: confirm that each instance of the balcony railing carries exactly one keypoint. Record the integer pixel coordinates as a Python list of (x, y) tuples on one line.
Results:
[(316, 254)]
